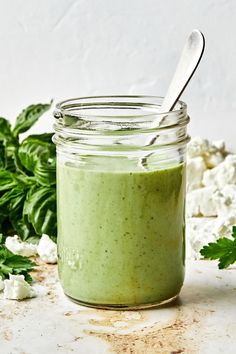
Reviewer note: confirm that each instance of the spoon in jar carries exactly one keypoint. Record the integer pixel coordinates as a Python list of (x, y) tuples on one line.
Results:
[(187, 65)]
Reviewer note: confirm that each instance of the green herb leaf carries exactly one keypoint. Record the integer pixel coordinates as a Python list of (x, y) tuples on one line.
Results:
[(29, 117), (11, 263), (7, 180), (40, 210), (8, 145), (223, 249), (16, 205), (27, 172), (37, 154), (11, 156), (5, 130)]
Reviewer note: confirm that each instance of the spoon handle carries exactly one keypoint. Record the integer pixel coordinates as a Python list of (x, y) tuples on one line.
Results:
[(188, 63), (189, 60)]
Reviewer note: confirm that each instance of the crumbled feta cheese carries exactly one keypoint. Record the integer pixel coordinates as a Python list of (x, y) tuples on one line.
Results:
[(213, 152), (213, 159), (225, 200), (219, 145), (215, 194), (1, 284), (199, 232), (195, 170), (200, 202), (47, 249), (16, 288), (223, 225), (16, 246), (197, 147), (224, 173)]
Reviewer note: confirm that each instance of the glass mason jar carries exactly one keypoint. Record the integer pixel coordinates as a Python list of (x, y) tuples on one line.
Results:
[(121, 200)]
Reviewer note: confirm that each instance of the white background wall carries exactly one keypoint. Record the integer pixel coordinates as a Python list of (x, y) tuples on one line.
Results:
[(66, 48)]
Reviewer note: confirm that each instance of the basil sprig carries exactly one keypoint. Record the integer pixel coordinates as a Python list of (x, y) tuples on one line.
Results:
[(27, 178)]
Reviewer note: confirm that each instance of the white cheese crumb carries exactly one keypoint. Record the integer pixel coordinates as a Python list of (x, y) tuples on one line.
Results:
[(195, 170), (16, 288), (199, 232), (219, 145), (224, 173), (225, 200), (197, 147), (201, 202), (47, 249), (215, 195), (1, 284), (16, 246), (223, 225), (213, 152), (213, 159)]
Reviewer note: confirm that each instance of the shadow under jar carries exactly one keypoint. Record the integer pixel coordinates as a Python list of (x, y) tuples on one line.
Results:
[(120, 200)]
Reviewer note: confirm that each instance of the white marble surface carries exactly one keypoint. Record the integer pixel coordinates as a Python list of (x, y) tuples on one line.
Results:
[(203, 320)]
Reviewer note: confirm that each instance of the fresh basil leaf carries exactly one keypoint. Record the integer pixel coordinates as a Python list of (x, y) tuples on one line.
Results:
[(40, 209), (45, 137), (16, 206), (6, 200), (10, 155), (37, 154), (45, 172), (8, 145), (27, 169), (16, 197), (21, 226), (11, 210), (7, 180), (34, 148), (5, 130), (29, 117)]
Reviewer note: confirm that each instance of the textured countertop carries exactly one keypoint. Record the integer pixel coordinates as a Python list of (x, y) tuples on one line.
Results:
[(202, 320)]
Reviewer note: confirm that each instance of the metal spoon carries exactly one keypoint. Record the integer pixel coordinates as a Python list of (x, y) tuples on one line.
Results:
[(188, 63)]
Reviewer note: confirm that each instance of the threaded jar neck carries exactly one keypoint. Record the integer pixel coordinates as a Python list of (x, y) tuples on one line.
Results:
[(120, 122)]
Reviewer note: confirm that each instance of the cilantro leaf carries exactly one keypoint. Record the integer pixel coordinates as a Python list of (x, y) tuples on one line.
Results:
[(223, 249), (11, 263)]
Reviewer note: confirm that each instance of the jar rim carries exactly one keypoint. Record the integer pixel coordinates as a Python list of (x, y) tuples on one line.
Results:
[(68, 107), (80, 125)]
